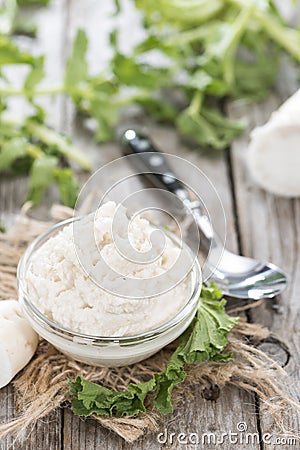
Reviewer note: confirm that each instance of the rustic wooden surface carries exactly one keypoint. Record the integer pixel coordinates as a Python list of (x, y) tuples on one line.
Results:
[(259, 225)]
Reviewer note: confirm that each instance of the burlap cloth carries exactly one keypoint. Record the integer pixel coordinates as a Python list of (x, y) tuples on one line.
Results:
[(43, 384)]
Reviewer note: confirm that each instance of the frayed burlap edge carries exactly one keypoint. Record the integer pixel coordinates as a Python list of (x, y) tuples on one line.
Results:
[(43, 384)]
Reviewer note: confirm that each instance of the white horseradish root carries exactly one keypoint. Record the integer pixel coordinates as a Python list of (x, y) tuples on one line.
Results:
[(18, 341), (274, 151)]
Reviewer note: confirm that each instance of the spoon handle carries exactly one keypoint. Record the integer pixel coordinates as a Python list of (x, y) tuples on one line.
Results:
[(155, 166), (152, 160)]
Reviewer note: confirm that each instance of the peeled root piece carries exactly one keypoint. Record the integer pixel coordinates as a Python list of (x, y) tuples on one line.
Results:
[(18, 341), (274, 158)]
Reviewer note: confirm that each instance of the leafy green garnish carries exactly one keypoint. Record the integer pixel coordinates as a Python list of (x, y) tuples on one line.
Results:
[(41, 176), (205, 339), (11, 54), (68, 186), (76, 69), (35, 75), (27, 146), (196, 55), (211, 50)]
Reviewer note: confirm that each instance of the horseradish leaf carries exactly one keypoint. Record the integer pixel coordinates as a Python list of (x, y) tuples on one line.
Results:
[(205, 339)]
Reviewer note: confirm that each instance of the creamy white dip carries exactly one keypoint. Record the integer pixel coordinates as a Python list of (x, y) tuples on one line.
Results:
[(59, 287)]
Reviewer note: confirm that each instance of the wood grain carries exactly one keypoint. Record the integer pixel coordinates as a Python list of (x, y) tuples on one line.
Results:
[(50, 40), (270, 229)]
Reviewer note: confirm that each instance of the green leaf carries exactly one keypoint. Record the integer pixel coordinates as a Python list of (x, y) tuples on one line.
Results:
[(41, 176), (182, 12), (117, 7), (204, 82), (209, 128), (67, 185), (11, 150), (209, 336), (11, 54), (35, 75), (226, 129), (132, 73), (76, 69), (106, 115), (205, 339), (161, 110), (223, 38), (167, 380), (254, 77), (41, 159), (154, 42), (25, 28), (92, 398), (8, 12)]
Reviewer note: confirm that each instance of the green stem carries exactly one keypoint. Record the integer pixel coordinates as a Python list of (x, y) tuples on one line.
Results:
[(34, 151), (195, 105), (190, 11), (186, 37), (55, 90), (9, 90), (238, 29), (285, 37), (142, 95), (50, 137)]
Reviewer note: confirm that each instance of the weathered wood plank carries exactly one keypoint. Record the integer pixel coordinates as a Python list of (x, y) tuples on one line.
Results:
[(270, 229), (50, 41), (80, 434), (193, 416), (203, 424)]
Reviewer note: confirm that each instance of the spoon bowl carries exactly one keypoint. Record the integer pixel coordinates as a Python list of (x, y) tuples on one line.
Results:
[(247, 278)]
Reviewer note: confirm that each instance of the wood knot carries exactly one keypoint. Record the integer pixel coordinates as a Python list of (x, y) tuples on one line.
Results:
[(211, 392), (276, 350)]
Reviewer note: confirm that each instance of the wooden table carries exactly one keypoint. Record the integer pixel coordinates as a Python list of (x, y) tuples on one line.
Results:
[(259, 225)]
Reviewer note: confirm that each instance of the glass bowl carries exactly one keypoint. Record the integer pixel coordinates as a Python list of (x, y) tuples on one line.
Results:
[(97, 350)]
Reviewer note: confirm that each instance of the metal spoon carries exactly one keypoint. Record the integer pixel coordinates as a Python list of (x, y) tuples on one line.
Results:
[(237, 276)]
